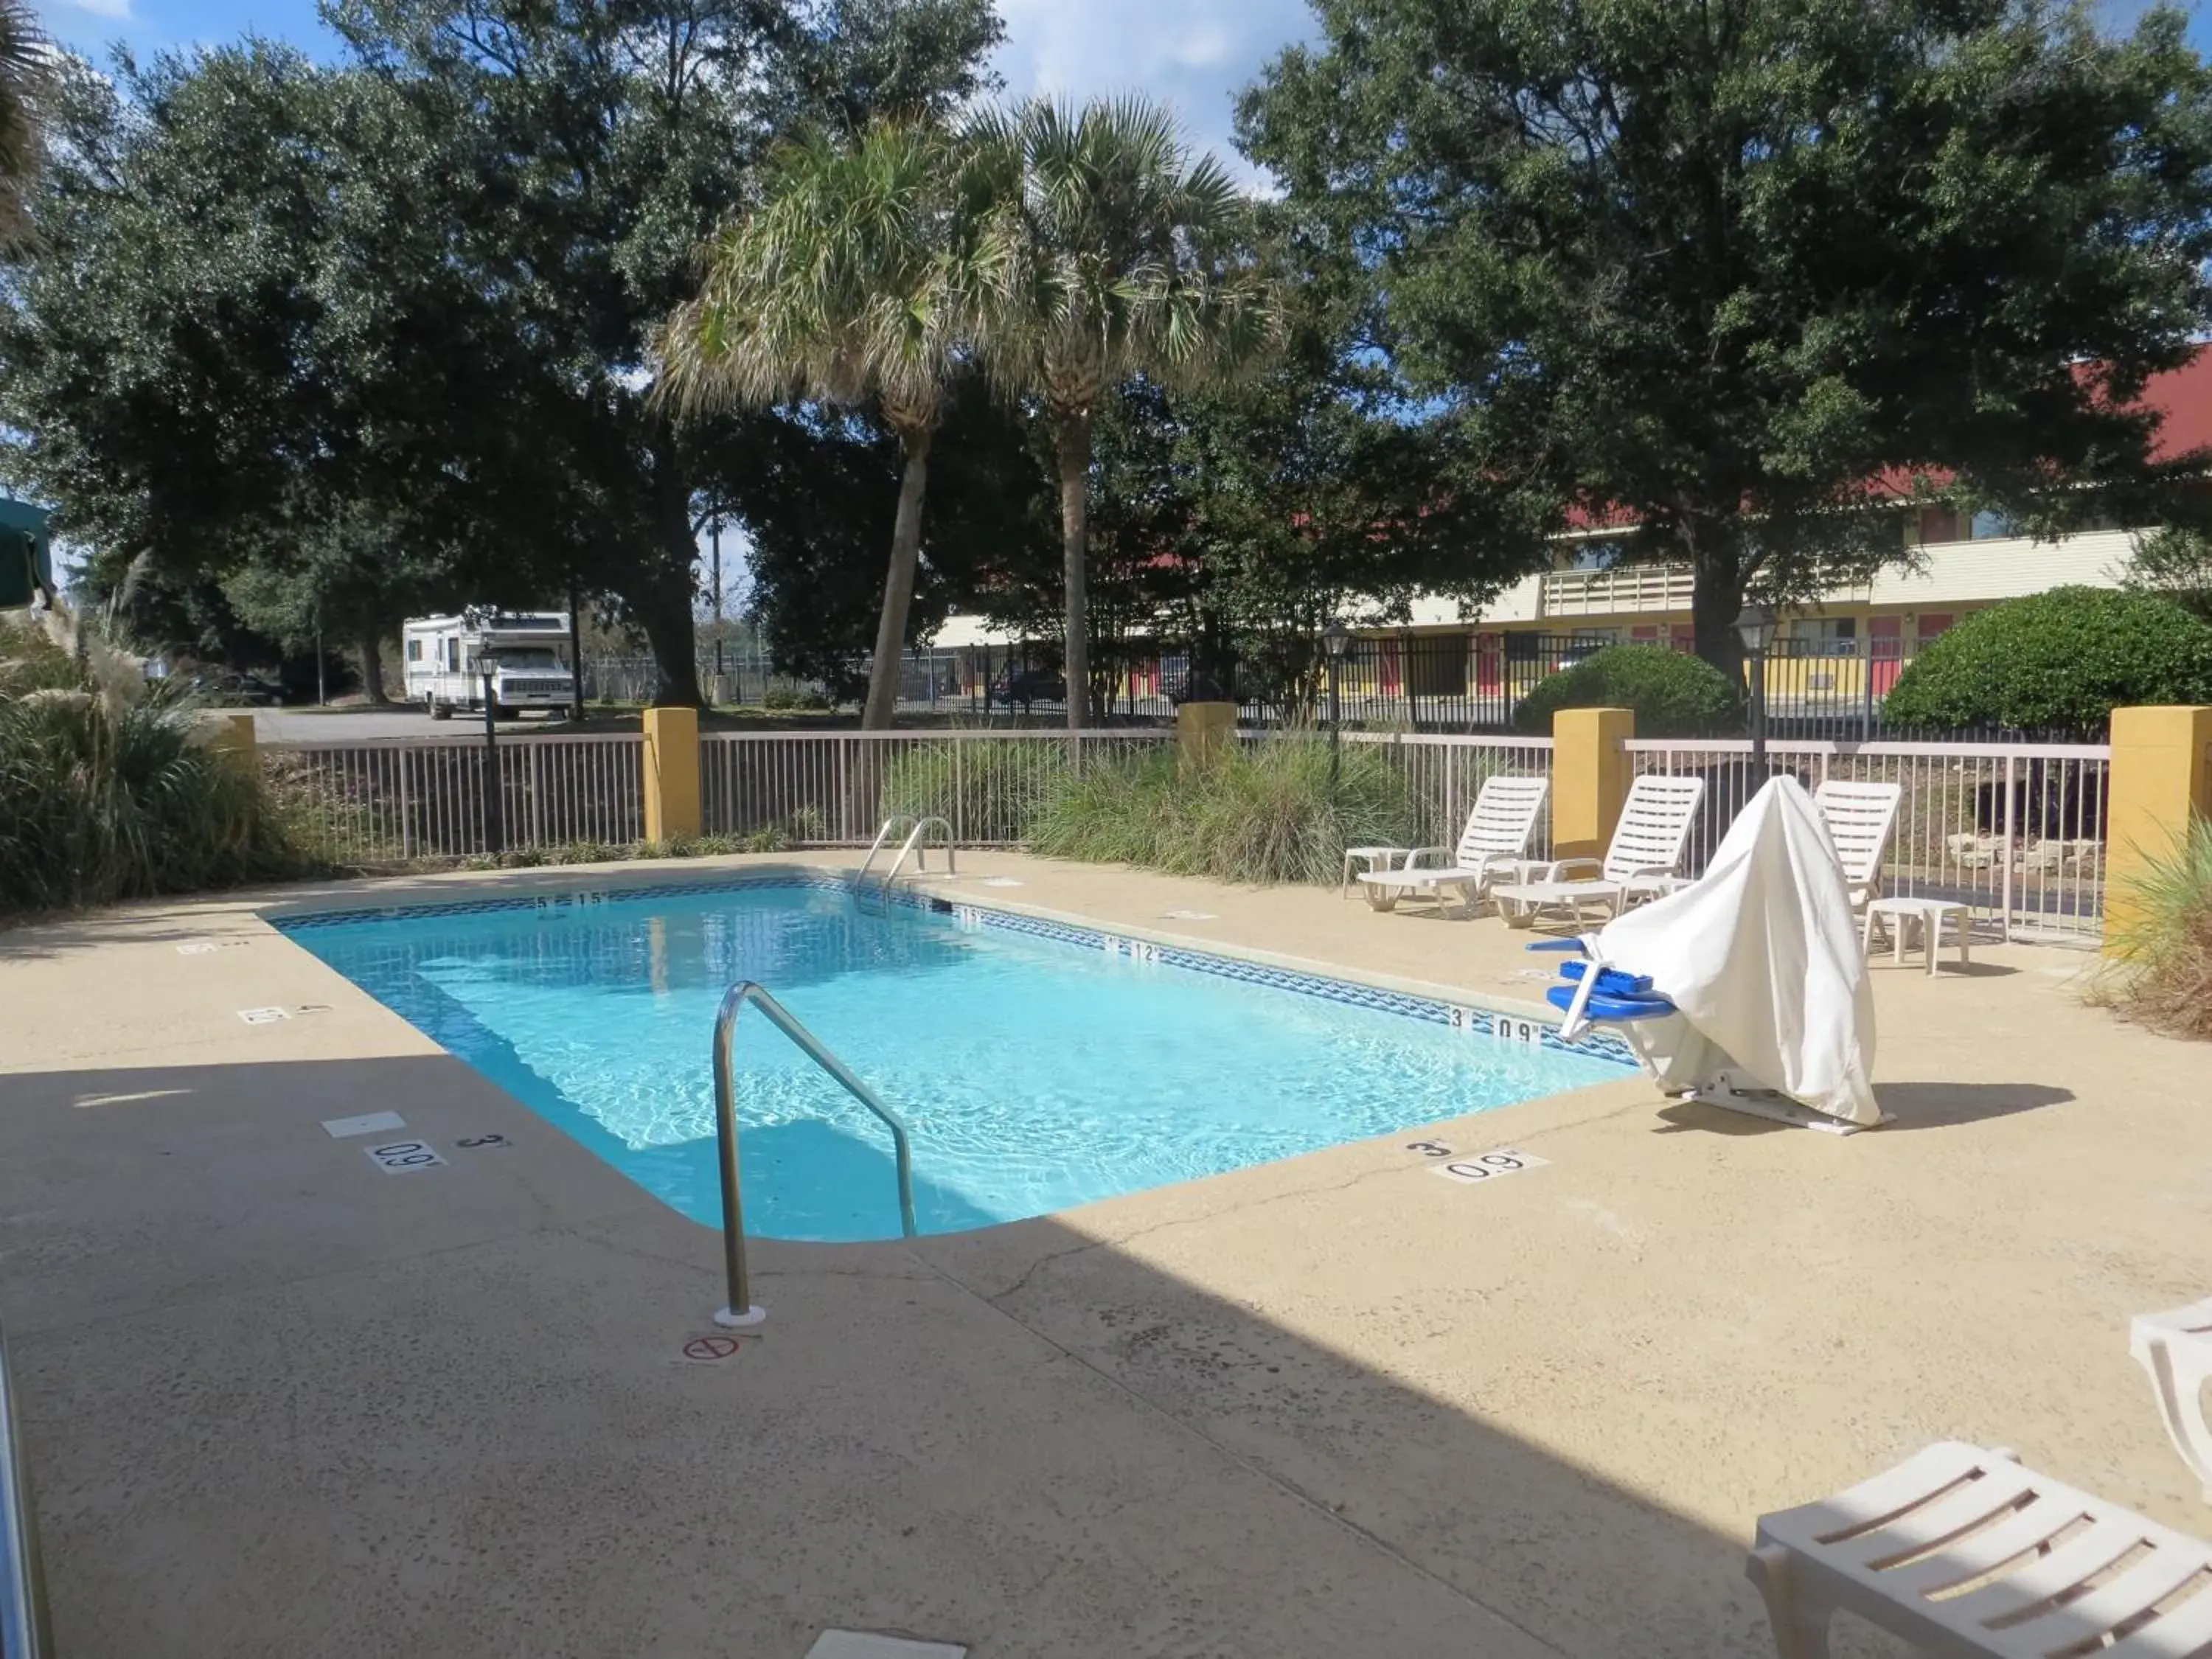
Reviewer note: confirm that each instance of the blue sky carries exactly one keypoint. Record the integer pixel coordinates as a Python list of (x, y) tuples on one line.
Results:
[(1195, 54)]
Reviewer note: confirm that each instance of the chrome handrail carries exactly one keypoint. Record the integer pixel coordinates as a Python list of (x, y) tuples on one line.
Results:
[(23, 1630), (741, 1310), (877, 846), (916, 845)]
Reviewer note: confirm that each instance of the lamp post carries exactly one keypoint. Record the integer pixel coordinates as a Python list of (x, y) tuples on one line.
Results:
[(1335, 641), (1755, 626)]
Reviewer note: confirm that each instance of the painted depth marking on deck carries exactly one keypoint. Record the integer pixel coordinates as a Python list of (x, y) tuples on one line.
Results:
[(1488, 1166), (368, 1123), (263, 1016), (1191, 915), (858, 1644), (404, 1157)]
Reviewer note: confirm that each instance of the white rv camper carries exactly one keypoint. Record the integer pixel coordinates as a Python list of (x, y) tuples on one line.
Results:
[(527, 652)]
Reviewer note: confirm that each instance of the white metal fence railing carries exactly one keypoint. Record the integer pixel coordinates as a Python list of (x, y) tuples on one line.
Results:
[(1447, 772), (2017, 832), (406, 797), (834, 788)]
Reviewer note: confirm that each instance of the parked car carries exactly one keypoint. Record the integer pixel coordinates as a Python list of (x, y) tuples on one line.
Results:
[(1025, 686), (223, 687)]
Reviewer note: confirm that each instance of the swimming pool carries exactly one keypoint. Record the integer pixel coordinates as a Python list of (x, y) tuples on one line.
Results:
[(1038, 1067)]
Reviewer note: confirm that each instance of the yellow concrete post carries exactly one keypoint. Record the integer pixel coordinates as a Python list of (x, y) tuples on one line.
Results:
[(232, 737), (1203, 727), (1590, 773), (2162, 773), (671, 774)]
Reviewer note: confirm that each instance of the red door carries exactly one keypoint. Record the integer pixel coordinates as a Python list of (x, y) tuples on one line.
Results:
[(1885, 652)]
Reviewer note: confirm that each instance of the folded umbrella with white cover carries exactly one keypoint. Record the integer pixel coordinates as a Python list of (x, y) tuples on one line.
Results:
[(1757, 998)]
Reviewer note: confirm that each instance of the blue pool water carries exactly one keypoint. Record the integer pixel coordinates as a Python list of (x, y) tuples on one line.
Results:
[(1034, 1073)]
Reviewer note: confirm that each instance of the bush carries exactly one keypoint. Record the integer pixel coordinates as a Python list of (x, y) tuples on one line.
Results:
[(2161, 974), (989, 789), (787, 699), (2057, 661), (1674, 695), (1261, 813), (110, 794)]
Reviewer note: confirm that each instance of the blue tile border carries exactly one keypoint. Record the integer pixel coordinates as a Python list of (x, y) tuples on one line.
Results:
[(1476, 1020)]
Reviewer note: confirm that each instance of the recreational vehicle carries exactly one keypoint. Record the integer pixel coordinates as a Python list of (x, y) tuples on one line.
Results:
[(525, 652)]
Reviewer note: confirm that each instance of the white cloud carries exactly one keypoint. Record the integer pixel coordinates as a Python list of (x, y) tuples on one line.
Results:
[(1193, 55)]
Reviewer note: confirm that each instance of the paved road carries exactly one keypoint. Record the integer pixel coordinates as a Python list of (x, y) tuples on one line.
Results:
[(359, 725)]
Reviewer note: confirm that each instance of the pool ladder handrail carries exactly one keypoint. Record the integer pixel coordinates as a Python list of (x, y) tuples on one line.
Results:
[(916, 844), (889, 828), (24, 1632), (741, 1310)]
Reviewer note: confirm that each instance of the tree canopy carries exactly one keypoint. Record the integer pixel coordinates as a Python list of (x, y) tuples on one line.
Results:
[(272, 299), (1717, 271)]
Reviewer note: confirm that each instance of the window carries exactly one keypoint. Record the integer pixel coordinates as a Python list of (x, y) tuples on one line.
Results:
[(453, 656), (1826, 636), (1939, 524), (1989, 525), (414, 650)]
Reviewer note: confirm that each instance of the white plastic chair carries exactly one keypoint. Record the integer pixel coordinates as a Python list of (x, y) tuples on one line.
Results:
[(2176, 1348), (1961, 1551), (1494, 842), (1641, 862), (1861, 818)]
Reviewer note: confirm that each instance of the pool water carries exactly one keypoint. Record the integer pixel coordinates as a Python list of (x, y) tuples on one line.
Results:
[(1033, 1073)]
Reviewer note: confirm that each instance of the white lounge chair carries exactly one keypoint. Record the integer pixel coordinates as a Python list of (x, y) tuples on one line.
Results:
[(2176, 1348), (1861, 817), (1640, 863), (1961, 1550), (1495, 842)]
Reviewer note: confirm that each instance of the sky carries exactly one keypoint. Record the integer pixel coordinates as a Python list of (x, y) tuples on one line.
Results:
[(1194, 55)]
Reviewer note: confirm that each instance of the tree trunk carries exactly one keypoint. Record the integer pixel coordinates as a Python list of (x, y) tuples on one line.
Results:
[(898, 587), (663, 610), (372, 669), (1073, 435), (1716, 601)]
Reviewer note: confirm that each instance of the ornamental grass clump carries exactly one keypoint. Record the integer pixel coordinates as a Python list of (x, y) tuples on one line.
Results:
[(2159, 971), (1259, 813)]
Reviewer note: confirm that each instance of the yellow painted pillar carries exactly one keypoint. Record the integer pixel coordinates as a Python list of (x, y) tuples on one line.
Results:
[(1590, 775), (1203, 727), (671, 774), (232, 737), (2162, 773)]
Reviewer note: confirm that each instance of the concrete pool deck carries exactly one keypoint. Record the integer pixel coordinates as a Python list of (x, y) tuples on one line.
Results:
[(278, 1402)]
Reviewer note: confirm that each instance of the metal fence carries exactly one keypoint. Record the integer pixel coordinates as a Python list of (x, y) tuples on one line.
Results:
[(383, 802), (1447, 772), (834, 788), (2015, 831)]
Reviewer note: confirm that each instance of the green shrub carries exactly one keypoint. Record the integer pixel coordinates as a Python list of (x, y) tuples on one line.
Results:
[(2060, 661), (2160, 973), (1674, 695), (1261, 813), (784, 699), (988, 789), (106, 797)]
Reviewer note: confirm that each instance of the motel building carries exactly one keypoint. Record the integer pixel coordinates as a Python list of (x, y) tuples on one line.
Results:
[(1835, 658)]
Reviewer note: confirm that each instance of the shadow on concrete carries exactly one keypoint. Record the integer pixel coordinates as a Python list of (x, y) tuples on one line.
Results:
[(1911, 1106), (280, 1402)]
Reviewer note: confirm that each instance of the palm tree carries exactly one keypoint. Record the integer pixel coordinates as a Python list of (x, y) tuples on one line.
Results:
[(24, 57), (852, 283), (1121, 256)]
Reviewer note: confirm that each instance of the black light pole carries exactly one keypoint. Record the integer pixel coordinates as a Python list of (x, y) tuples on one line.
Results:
[(494, 796), (1755, 626), (1335, 639), (714, 541)]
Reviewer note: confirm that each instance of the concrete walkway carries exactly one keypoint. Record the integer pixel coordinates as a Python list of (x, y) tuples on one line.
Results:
[(279, 1403)]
